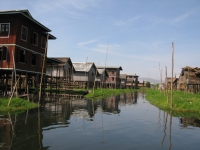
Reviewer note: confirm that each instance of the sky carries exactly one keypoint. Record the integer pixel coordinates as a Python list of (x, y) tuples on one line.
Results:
[(134, 34)]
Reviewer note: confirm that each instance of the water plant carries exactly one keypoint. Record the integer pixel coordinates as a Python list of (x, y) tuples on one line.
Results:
[(181, 101)]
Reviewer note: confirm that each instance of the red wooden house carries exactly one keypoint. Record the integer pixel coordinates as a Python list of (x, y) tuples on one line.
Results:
[(22, 45)]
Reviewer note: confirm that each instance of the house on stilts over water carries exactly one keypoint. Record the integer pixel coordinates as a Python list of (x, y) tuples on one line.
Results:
[(22, 50)]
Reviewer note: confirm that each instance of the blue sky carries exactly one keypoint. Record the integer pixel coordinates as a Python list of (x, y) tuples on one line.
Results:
[(137, 33)]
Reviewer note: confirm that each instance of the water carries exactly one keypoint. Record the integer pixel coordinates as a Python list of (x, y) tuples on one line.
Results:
[(120, 122)]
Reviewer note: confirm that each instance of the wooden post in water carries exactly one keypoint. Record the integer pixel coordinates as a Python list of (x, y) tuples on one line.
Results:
[(166, 82), (45, 53), (171, 104), (95, 80)]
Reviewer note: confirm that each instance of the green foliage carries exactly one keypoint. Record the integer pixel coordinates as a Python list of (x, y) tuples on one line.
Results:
[(157, 85), (181, 102), (98, 93), (148, 84), (16, 104)]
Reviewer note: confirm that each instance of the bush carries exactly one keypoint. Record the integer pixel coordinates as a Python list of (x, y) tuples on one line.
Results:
[(148, 84)]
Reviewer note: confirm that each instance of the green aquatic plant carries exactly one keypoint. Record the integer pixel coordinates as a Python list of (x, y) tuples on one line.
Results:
[(16, 104), (181, 102)]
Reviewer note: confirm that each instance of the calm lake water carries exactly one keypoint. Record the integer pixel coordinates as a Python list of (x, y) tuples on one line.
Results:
[(123, 122)]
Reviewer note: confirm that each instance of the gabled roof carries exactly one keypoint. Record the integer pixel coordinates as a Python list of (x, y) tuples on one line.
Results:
[(27, 14), (64, 59), (110, 67), (132, 75), (83, 66), (102, 71), (53, 61)]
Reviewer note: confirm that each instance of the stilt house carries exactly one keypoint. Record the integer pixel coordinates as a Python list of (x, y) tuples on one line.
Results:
[(103, 75), (123, 78), (22, 48), (189, 79), (132, 81), (85, 74), (113, 81)]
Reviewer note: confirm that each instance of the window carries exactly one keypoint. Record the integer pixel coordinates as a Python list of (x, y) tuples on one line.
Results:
[(92, 74), (22, 56), (4, 29), (33, 59), (112, 72), (43, 42), (113, 78), (3, 53), (24, 33), (35, 39)]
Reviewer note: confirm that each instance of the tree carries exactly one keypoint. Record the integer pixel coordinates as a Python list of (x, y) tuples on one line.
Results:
[(148, 84)]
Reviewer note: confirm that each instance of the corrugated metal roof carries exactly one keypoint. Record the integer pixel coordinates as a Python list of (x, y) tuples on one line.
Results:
[(110, 67), (27, 14), (101, 71), (83, 67)]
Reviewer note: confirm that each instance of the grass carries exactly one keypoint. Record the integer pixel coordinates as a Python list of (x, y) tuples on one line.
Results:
[(16, 104), (99, 93), (181, 102)]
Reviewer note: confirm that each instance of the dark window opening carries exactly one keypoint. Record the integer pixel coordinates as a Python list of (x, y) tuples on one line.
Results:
[(4, 29), (24, 33), (43, 42), (22, 56), (3, 53), (112, 72), (113, 78), (33, 60), (92, 74), (35, 39)]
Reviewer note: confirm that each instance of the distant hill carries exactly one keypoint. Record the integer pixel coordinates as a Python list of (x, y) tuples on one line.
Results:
[(152, 81)]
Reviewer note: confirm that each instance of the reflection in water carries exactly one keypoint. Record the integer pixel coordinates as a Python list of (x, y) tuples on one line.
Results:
[(189, 121), (20, 132), (94, 124)]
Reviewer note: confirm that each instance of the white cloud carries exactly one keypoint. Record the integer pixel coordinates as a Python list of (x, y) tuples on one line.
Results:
[(125, 22), (182, 17), (82, 44)]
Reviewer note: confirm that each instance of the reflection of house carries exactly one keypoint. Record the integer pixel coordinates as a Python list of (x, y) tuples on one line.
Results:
[(22, 46), (112, 104), (113, 81), (123, 78), (132, 81), (85, 74), (185, 121), (189, 78), (21, 133)]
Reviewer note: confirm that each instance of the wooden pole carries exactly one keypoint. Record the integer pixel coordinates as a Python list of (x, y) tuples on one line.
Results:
[(45, 53), (85, 73), (95, 80), (166, 82), (13, 92), (105, 64), (15, 73), (171, 104)]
